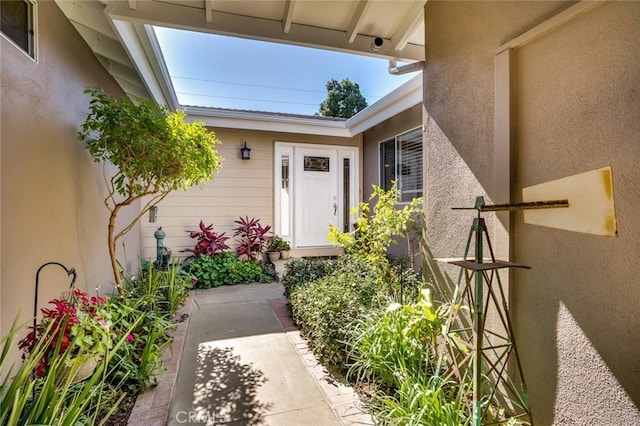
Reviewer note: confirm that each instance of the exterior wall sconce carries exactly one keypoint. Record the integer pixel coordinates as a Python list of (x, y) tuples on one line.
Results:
[(153, 213), (245, 153)]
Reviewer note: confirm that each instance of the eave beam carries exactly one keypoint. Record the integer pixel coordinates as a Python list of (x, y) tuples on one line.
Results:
[(411, 20), (357, 19), (287, 19), (208, 9)]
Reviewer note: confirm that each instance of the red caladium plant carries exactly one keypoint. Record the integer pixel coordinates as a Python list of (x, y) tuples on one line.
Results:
[(253, 236), (209, 242), (79, 324)]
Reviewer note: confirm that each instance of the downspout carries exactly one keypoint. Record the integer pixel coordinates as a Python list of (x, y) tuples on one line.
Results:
[(394, 69)]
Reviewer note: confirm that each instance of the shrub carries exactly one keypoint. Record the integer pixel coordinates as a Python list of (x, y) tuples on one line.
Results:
[(376, 229), (224, 269), (253, 237), (401, 350), (78, 325), (139, 358), (423, 402), (59, 396), (302, 271), (209, 242), (399, 342), (123, 336), (144, 320), (326, 308)]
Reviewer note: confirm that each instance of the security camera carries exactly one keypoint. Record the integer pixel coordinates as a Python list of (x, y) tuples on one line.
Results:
[(377, 44)]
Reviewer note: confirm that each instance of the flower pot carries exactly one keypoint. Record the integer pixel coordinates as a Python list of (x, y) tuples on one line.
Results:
[(273, 256), (85, 370), (284, 254)]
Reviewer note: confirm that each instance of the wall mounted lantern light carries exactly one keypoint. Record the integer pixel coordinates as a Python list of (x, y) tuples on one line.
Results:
[(245, 153), (153, 214)]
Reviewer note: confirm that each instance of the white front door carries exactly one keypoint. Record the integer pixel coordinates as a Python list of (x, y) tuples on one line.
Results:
[(316, 185), (316, 195)]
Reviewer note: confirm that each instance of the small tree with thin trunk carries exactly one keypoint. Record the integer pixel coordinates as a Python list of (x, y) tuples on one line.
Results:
[(154, 151)]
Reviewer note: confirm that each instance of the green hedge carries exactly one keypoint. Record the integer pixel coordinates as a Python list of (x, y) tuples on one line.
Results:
[(326, 308), (226, 268), (298, 272)]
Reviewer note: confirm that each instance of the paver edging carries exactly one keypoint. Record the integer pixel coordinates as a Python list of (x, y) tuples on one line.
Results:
[(343, 399), (152, 405)]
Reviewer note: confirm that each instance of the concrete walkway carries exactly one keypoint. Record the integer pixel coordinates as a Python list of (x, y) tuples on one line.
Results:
[(244, 363)]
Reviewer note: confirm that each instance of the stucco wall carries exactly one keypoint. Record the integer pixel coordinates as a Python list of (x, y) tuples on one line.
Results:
[(241, 188), (577, 96), (52, 192), (578, 101)]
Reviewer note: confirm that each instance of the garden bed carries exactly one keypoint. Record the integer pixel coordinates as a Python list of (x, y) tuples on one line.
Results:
[(152, 406)]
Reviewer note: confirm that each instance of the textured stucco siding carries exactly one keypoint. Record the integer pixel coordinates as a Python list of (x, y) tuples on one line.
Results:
[(577, 97), (241, 188), (52, 192), (578, 103)]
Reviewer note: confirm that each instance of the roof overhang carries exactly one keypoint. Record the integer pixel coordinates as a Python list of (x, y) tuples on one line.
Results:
[(122, 37), (403, 98)]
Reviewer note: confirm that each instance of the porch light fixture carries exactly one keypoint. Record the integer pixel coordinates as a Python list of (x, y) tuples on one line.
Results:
[(153, 213), (245, 153)]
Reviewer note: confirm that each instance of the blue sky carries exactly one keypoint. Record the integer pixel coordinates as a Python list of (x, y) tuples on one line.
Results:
[(226, 72)]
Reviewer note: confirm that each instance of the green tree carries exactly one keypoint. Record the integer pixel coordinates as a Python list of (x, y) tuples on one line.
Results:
[(343, 100), (154, 151)]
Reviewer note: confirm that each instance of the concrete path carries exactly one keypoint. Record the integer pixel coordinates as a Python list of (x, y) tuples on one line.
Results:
[(242, 366)]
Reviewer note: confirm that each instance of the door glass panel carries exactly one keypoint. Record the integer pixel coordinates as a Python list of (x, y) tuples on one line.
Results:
[(346, 185), (285, 198), (316, 164)]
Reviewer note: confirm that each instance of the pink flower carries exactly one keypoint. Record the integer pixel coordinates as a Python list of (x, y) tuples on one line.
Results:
[(130, 337)]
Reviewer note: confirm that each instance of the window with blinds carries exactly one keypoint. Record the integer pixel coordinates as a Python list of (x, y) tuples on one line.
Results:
[(401, 161)]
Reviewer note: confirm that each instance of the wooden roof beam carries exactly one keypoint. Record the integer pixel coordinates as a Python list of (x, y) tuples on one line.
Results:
[(357, 19)]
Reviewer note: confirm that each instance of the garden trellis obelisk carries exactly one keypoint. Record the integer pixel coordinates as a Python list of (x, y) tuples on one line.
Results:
[(580, 203)]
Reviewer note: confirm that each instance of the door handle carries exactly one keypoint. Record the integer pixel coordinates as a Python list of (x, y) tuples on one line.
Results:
[(335, 208)]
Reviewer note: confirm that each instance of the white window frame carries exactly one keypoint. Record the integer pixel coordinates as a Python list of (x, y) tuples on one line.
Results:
[(33, 29), (398, 157)]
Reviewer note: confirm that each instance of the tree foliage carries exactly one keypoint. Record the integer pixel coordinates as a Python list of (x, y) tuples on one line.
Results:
[(154, 151), (343, 100), (377, 227)]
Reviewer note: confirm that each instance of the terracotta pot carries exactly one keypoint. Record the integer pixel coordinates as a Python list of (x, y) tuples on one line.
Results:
[(273, 255), (284, 254)]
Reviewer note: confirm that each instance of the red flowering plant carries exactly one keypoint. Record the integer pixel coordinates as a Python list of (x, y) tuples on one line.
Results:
[(79, 324)]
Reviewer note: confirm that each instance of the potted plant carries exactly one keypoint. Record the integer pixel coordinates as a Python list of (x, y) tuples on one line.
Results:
[(79, 325), (273, 248), (280, 246), (284, 247)]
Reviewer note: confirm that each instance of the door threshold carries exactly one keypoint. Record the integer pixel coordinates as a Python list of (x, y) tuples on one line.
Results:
[(315, 252)]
